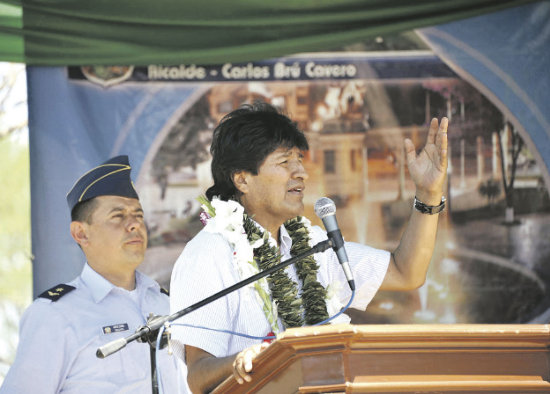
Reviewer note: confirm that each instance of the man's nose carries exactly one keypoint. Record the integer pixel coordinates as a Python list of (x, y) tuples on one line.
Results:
[(134, 223), (300, 171)]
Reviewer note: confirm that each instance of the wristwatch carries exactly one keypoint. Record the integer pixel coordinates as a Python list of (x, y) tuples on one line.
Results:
[(429, 209)]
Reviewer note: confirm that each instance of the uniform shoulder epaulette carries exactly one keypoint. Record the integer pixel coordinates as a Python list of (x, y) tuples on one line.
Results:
[(164, 291), (56, 292)]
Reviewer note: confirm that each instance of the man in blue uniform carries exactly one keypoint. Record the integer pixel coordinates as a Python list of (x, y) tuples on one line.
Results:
[(61, 331)]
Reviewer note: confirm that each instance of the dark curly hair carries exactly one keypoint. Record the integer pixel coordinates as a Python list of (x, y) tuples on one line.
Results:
[(243, 139)]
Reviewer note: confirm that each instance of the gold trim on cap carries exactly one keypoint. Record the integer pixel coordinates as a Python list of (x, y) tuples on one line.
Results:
[(104, 176), (95, 168)]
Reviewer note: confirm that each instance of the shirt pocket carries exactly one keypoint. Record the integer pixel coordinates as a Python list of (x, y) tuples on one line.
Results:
[(128, 367)]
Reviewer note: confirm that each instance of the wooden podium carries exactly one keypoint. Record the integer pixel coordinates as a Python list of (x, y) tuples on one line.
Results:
[(458, 358)]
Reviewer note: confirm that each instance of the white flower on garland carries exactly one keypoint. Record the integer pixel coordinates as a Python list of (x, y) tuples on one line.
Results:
[(226, 218), (334, 305)]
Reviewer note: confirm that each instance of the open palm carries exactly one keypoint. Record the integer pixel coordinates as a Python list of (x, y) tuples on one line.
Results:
[(429, 168)]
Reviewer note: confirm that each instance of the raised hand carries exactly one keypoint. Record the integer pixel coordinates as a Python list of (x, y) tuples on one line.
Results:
[(428, 169)]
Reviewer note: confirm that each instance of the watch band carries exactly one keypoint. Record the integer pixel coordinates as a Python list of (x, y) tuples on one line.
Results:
[(429, 209)]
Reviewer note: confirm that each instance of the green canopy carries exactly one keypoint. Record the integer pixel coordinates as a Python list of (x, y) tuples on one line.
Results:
[(11, 32), (138, 32)]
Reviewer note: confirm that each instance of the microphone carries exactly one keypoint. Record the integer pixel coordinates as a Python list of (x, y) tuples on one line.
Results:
[(326, 210), (111, 347)]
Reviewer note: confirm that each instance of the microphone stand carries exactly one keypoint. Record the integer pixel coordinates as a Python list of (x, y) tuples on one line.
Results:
[(155, 323)]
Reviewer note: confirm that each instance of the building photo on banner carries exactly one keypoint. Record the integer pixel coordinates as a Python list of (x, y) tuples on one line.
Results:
[(356, 105), (356, 128)]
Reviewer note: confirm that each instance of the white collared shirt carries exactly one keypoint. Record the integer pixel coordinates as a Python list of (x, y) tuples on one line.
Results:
[(59, 340), (205, 267)]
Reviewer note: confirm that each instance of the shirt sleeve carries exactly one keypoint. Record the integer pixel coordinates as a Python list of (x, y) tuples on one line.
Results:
[(368, 265), (203, 269), (41, 361)]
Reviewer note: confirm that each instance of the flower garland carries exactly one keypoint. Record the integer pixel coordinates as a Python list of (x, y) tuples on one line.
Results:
[(284, 291), (257, 250)]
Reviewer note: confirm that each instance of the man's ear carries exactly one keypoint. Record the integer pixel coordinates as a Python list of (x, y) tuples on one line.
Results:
[(78, 232), (240, 180)]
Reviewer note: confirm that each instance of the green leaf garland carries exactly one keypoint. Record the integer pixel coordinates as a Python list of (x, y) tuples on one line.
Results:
[(284, 291), (293, 310)]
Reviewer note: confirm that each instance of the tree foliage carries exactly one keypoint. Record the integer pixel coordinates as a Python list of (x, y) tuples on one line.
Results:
[(13, 101), (15, 251)]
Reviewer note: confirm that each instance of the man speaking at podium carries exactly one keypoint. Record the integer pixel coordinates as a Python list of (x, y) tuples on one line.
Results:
[(253, 218), (63, 328)]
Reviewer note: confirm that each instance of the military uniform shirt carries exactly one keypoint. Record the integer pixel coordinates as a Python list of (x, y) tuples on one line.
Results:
[(59, 340)]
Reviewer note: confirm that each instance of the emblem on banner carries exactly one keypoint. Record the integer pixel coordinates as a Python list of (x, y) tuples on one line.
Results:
[(107, 75)]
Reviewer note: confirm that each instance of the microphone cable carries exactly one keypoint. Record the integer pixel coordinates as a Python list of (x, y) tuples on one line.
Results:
[(345, 308), (266, 337)]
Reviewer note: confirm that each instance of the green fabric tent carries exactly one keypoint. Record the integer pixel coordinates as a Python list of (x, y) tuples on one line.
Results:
[(136, 32)]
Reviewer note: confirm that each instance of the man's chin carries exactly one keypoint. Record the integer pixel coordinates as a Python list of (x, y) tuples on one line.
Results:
[(297, 210), (135, 258)]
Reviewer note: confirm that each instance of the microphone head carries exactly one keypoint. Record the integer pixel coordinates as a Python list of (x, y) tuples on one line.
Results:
[(324, 207)]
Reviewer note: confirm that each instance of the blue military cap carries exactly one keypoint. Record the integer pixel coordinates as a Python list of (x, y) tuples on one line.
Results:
[(111, 178)]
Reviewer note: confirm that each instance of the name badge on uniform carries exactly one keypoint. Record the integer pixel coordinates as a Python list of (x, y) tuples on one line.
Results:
[(115, 328)]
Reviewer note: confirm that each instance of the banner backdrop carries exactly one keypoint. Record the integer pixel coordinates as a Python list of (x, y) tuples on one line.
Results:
[(355, 109)]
